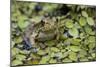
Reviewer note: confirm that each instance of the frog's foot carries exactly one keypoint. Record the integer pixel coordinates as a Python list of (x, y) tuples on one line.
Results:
[(27, 45)]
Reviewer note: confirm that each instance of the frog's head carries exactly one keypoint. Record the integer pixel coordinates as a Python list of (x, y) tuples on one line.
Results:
[(49, 23)]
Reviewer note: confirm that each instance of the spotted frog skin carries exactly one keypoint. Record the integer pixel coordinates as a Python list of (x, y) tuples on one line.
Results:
[(43, 31)]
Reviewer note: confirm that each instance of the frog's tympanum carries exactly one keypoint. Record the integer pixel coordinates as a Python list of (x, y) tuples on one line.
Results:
[(47, 29)]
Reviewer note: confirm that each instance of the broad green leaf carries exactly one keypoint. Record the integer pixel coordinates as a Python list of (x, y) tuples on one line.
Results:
[(82, 35), (75, 48), (47, 49), (90, 21), (18, 39), (93, 55), (63, 36), (16, 62), (24, 52), (41, 52), (84, 13), (44, 59), (91, 39), (77, 25), (35, 56), (73, 32), (65, 54), (35, 61), (83, 59), (92, 45), (12, 44), (75, 41), (23, 24), (52, 54), (54, 49), (14, 51), (82, 53), (89, 31), (63, 50), (59, 55), (90, 58), (20, 57), (66, 60), (53, 61), (67, 42), (73, 56), (82, 21), (69, 23)]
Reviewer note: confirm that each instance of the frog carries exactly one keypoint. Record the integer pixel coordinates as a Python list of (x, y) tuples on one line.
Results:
[(45, 30)]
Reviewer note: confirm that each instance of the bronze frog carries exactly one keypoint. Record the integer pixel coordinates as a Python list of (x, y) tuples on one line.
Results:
[(45, 30)]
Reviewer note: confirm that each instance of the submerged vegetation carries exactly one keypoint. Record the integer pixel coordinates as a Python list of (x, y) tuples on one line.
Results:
[(47, 33)]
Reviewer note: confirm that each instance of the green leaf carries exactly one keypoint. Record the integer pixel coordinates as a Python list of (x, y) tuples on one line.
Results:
[(14, 51), (22, 24), (82, 21), (73, 32), (69, 23), (36, 56), (93, 55), (53, 61), (82, 53), (52, 54), (24, 52), (65, 54), (67, 41), (59, 55), (41, 52), (16, 62), (84, 14), (63, 36), (83, 59), (67, 60), (63, 50), (20, 57), (18, 39), (90, 21), (89, 31), (35, 61), (77, 25), (12, 44), (75, 48), (73, 56), (44, 60), (91, 39), (54, 49), (92, 45), (75, 41)]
